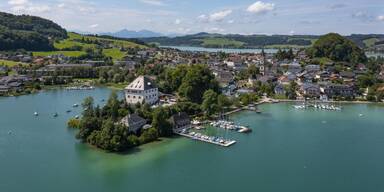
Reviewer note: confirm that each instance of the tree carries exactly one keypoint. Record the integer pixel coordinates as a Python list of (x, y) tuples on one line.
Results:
[(209, 105), (197, 80), (160, 122), (223, 101), (88, 107), (253, 71), (112, 107), (291, 90)]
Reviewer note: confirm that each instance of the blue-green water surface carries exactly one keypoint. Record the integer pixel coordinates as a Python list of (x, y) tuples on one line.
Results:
[(289, 150)]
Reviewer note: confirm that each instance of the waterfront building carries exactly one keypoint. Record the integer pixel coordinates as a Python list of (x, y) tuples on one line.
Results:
[(310, 90), (142, 90), (181, 121), (134, 122)]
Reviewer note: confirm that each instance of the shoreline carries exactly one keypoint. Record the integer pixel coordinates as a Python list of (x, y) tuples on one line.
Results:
[(245, 108), (344, 102)]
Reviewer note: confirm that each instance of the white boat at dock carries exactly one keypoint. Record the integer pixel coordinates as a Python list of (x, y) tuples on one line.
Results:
[(318, 106), (82, 87), (205, 138), (230, 126)]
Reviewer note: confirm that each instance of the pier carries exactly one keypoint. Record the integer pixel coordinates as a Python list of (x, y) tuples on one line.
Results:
[(205, 138)]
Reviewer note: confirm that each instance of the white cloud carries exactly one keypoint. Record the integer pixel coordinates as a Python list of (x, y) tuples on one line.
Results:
[(18, 2), (202, 18), (261, 8), (177, 21), (380, 18), (363, 16), (24, 6), (94, 26), (183, 30), (153, 2), (219, 16), (215, 30), (231, 21), (61, 5)]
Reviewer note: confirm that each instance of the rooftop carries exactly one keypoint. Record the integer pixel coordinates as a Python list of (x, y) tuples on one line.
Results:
[(141, 83)]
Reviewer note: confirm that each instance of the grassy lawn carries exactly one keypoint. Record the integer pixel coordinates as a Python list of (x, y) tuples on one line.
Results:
[(118, 86), (114, 53), (221, 42), (370, 42), (73, 37), (10, 63), (322, 60), (74, 40), (286, 46), (66, 53)]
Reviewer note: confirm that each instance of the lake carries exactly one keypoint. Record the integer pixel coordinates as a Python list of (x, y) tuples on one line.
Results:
[(228, 50), (225, 50), (289, 150)]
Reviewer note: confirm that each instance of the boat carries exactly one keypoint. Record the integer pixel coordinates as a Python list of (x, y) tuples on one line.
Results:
[(55, 115), (68, 111), (75, 105), (36, 114), (77, 117)]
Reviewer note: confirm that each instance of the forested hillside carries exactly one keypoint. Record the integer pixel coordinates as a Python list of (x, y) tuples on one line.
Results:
[(28, 32)]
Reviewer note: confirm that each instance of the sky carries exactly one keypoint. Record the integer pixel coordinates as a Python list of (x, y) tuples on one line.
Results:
[(215, 16)]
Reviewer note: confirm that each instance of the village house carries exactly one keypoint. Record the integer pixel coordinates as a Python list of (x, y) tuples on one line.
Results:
[(348, 76), (279, 89), (235, 63), (142, 90), (134, 122), (4, 89), (333, 90), (310, 90), (180, 121), (312, 68), (224, 77)]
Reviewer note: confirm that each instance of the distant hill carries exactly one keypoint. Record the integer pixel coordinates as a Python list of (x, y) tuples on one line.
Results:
[(77, 45), (133, 34), (210, 40), (337, 48), (28, 32)]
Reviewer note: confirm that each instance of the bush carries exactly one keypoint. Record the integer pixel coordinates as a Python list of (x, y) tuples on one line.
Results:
[(74, 123)]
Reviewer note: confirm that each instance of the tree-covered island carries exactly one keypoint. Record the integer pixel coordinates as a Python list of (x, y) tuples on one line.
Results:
[(112, 127)]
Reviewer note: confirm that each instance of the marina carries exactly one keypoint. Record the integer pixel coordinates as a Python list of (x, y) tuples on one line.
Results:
[(82, 87), (229, 125), (205, 138), (320, 106)]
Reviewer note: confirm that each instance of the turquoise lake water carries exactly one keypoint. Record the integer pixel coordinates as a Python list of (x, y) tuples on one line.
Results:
[(289, 150)]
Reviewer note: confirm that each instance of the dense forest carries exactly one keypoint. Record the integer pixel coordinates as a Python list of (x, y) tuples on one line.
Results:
[(28, 32)]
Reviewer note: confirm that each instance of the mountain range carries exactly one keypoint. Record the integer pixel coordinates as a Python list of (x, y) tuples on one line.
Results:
[(125, 33)]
